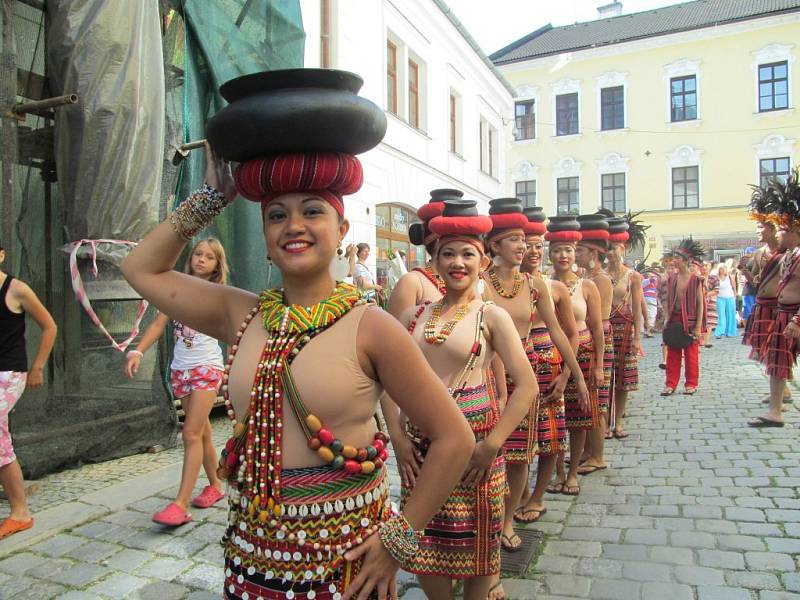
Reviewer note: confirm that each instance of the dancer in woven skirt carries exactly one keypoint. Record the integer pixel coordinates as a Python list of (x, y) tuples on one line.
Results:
[(779, 352), (686, 304), (551, 432), (590, 254), (527, 299), (416, 287), (712, 291), (309, 508), (580, 415), (764, 274), (459, 336), (625, 317)]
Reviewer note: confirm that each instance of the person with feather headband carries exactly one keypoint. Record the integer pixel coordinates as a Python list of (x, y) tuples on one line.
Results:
[(625, 233), (685, 310), (779, 350)]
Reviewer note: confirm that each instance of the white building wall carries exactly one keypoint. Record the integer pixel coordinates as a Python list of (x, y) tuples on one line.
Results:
[(410, 162)]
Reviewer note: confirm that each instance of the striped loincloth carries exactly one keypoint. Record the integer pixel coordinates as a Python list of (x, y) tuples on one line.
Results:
[(575, 416)]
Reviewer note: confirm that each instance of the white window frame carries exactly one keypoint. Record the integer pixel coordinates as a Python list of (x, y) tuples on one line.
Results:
[(609, 80), (559, 88), (612, 163), (566, 167), (525, 93), (685, 156), (774, 145), (771, 54), (684, 68), (525, 170)]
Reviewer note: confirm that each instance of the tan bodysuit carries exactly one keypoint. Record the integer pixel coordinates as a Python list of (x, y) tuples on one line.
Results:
[(330, 380)]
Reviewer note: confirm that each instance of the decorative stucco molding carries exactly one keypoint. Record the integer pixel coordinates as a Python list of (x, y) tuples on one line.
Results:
[(567, 167), (524, 171), (566, 86), (684, 156), (613, 163), (775, 146)]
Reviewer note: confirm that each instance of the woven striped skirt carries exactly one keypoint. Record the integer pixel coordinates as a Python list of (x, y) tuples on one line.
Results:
[(711, 311), (780, 352), (575, 416), (604, 391), (299, 553), (463, 538), (626, 363), (549, 436), (759, 325)]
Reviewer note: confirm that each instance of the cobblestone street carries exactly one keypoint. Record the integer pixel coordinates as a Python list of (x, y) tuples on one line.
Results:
[(695, 505)]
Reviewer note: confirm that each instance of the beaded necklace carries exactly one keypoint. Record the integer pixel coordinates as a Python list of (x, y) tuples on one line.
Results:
[(433, 277), (255, 450), (429, 333), (498, 286)]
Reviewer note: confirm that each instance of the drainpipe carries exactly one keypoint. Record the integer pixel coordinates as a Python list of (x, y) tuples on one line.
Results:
[(325, 34)]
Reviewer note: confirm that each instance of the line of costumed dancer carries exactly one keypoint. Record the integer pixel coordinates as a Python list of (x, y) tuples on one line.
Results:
[(773, 328), (309, 363)]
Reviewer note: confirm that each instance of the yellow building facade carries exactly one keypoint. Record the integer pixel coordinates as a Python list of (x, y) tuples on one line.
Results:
[(677, 124)]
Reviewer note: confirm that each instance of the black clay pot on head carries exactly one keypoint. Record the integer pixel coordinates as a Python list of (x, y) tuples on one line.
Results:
[(535, 214), (617, 225), (592, 222), (563, 223), (294, 110), (460, 208), (502, 206), (445, 194)]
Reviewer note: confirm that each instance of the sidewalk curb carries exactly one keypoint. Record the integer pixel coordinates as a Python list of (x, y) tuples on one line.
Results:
[(92, 506)]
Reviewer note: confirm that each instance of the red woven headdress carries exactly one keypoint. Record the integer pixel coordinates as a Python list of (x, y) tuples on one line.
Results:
[(460, 220), (329, 175)]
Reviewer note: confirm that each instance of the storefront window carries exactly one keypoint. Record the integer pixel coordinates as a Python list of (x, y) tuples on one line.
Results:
[(391, 222)]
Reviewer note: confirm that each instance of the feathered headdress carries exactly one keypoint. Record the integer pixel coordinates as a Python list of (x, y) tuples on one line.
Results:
[(777, 202), (689, 250), (636, 229)]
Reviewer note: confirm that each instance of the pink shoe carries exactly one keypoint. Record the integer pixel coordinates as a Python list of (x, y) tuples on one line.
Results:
[(208, 497), (173, 516)]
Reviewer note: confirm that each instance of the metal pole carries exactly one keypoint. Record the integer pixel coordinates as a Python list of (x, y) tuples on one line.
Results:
[(34, 106), (8, 138)]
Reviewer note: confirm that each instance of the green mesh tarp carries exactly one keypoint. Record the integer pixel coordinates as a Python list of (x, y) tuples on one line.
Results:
[(213, 42)]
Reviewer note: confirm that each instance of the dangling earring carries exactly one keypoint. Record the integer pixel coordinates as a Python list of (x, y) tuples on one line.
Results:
[(592, 264), (269, 259), (339, 250), (574, 268)]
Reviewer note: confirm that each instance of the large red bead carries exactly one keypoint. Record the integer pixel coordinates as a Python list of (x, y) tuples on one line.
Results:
[(352, 467), (378, 445), (380, 435), (325, 436), (314, 443), (384, 454)]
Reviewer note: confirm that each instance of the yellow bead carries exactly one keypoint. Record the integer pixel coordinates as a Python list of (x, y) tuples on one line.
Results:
[(263, 516), (256, 500), (349, 452), (278, 510), (313, 423), (325, 453), (367, 466)]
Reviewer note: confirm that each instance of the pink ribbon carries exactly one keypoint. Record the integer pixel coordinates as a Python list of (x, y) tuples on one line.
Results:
[(83, 298)]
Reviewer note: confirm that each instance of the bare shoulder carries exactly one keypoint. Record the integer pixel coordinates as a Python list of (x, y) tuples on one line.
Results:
[(376, 323), (589, 286), (20, 291), (558, 290)]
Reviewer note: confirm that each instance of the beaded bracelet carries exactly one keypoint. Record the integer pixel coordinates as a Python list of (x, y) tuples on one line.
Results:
[(399, 539), (197, 212)]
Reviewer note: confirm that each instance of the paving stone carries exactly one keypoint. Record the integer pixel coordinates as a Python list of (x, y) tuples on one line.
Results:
[(615, 589), (148, 540), (58, 545), (165, 569), (737, 513), (599, 567), (661, 510), (557, 564), (673, 591), (582, 549), (49, 568), (760, 529), (182, 547), (119, 585), (591, 534), (160, 590), (647, 571), (671, 556), (206, 577), (654, 537), (701, 512), (758, 502), (77, 595), (82, 574), (769, 561), (621, 551), (128, 560), (699, 575), (720, 558), (788, 545), (19, 564), (767, 595), (95, 551), (779, 515), (753, 580), (722, 593), (673, 524), (568, 585), (717, 526), (693, 539), (24, 588), (740, 542)]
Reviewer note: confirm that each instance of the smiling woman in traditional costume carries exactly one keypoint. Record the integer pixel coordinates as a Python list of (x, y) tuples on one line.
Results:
[(309, 515), (459, 335)]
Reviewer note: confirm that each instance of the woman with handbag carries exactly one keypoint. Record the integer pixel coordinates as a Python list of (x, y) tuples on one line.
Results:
[(685, 318)]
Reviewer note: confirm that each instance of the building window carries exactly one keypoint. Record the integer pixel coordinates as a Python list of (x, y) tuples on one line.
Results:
[(685, 187), (453, 122), (683, 98), (773, 86), (774, 168), (568, 195), (391, 77), (526, 191), (524, 120), (612, 187), (413, 94), (567, 114), (487, 147), (612, 108)]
